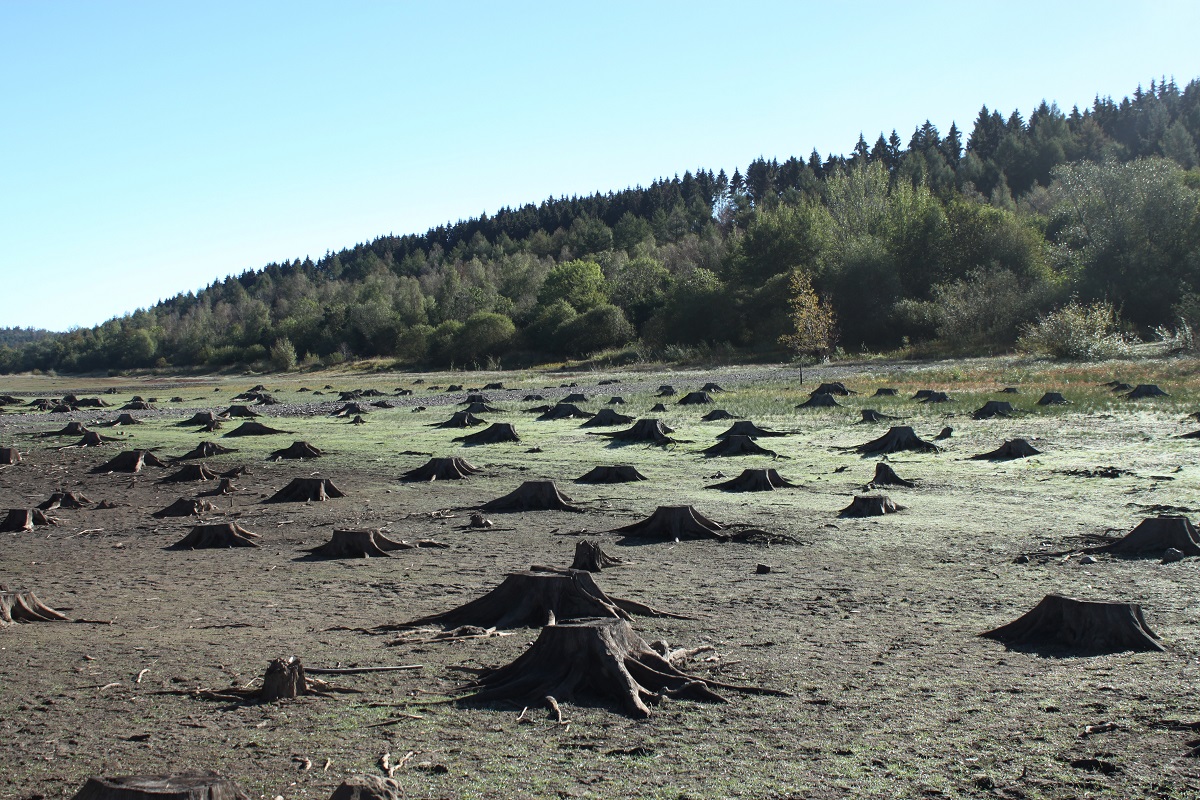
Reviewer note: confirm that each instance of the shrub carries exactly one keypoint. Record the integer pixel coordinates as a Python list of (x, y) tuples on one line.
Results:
[(283, 355), (599, 329), (1076, 331), (988, 308), (483, 335)]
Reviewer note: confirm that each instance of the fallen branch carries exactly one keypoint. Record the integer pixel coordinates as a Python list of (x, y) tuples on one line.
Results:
[(357, 670)]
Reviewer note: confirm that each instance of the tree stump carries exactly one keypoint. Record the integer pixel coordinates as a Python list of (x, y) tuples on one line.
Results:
[(820, 401), (644, 430), (460, 419), (755, 480), (205, 450), (303, 490), (137, 405), (711, 387), (575, 397), (716, 415), (593, 659), (1145, 390), (617, 400), (748, 428), (532, 398), (210, 427), (533, 598), (481, 408), (897, 439), (9, 456), (1153, 537), (184, 507), (697, 399), (93, 439), (223, 488), (199, 418), (20, 520), (1011, 449), (666, 390), (365, 543), (737, 445), (72, 429), (122, 419), (496, 433), (565, 411), (870, 505), (254, 429), (675, 523), (239, 411), (884, 392), (589, 556), (870, 415), (936, 397), (442, 469), (367, 787), (837, 388), (191, 472), (943, 434), (24, 606), (216, 537), (283, 680), (64, 500), (1079, 626), (607, 417), (350, 410), (296, 450), (1053, 399), (994, 408), (611, 474), (658, 408), (180, 786), (886, 476), (532, 496)]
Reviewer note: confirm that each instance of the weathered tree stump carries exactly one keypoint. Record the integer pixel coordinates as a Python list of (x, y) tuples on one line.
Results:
[(1011, 449), (589, 556), (64, 500), (93, 439), (870, 505), (611, 474), (711, 387), (283, 680), (1079, 626), (532, 398), (350, 410), (223, 488), (748, 428), (616, 400), (1053, 399), (534, 598), (496, 433), (675, 523), (20, 520), (575, 397), (565, 411), (994, 408), (303, 490), (215, 537), (24, 606), (697, 399), (936, 397), (921, 394), (658, 408), (367, 787), (1154, 536), (737, 445), (644, 430), (716, 415), (755, 480), (254, 429), (71, 429), (210, 427), (122, 419), (185, 507), (481, 408), (884, 392), (191, 472), (1145, 390), (199, 418), (296, 450), (442, 469), (606, 417), (870, 415), (943, 434), (205, 450), (886, 476), (365, 543), (239, 411), (897, 439), (837, 388), (666, 390), (9, 456), (532, 496), (179, 786), (820, 401), (594, 659)]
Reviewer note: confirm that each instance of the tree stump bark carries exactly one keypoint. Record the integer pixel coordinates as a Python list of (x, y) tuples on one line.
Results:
[(223, 488), (897, 439), (1145, 390), (820, 401), (297, 450), (130, 461), (24, 606), (180, 786), (199, 418), (1079, 626), (365, 543), (205, 450), (590, 557), (184, 507), (675, 523), (837, 388), (20, 520), (644, 430), (565, 411), (666, 390), (611, 474), (191, 472), (737, 445), (460, 419), (1153, 537), (441, 469), (870, 415), (214, 537), (367, 787), (697, 399), (64, 500), (496, 433), (1011, 449), (254, 429), (303, 490), (870, 505), (994, 408), (9, 456), (532, 496), (594, 659), (1053, 399), (755, 480), (748, 428), (711, 387), (72, 429), (884, 392), (575, 397), (606, 417), (243, 412), (886, 476), (716, 415), (283, 680)]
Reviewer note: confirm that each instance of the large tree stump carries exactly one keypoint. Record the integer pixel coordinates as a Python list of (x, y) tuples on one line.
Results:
[(24, 606), (481, 408), (239, 411), (441, 469), (1053, 399), (223, 488), (532, 496), (884, 392), (994, 408), (886, 476), (199, 418), (590, 557), (64, 500), (93, 439), (675, 523), (1079, 626), (9, 456), (594, 659), (130, 461), (716, 415), (191, 472), (460, 419), (20, 520), (644, 430), (496, 433), (748, 428), (737, 445), (216, 537), (870, 415), (565, 411), (837, 388), (666, 390), (820, 401), (611, 474), (1145, 390), (205, 450), (575, 397), (137, 405), (283, 680), (606, 417), (1011, 449), (711, 387), (534, 598), (365, 543), (254, 429), (350, 410), (303, 490), (180, 786), (1153, 537), (754, 480), (870, 505), (697, 399), (72, 429), (122, 419), (296, 450), (186, 507), (367, 787), (897, 439), (658, 408)]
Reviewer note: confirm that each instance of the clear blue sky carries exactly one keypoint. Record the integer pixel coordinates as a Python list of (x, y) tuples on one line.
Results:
[(148, 148)]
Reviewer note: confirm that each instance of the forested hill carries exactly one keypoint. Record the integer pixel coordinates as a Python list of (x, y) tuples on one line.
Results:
[(945, 238)]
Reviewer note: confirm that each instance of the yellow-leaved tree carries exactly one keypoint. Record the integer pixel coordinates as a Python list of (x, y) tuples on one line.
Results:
[(813, 321)]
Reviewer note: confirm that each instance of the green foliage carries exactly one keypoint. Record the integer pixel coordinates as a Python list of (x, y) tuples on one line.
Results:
[(602, 328), (1077, 332), (814, 325), (283, 355), (579, 283), (483, 335)]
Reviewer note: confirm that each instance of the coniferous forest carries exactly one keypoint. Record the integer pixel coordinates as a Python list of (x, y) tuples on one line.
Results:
[(951, 242)]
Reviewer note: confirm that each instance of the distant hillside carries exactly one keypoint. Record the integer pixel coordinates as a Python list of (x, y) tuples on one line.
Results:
[(940, 238)]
